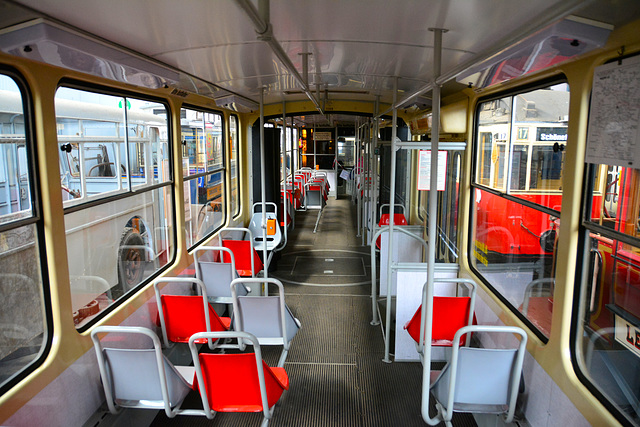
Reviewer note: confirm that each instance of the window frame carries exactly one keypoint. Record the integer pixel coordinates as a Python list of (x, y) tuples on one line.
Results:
[(132, 191), (480, 103), (36, 220), (222, 169), (235, 210)]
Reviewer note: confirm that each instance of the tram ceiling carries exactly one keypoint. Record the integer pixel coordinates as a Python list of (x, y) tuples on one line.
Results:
[(308, 49)]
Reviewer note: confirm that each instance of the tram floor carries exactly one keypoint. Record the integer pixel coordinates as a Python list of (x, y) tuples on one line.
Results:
[(337, 376)]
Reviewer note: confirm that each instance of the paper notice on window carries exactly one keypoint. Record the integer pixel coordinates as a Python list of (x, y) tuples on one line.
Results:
[(424, 167), (613, 137)]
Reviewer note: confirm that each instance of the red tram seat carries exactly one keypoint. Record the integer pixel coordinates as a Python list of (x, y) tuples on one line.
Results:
[(231, 382), (398, 219), (184, 316), (237, 382), (146, 379), (449, 315), (242, 253), (181, 316)]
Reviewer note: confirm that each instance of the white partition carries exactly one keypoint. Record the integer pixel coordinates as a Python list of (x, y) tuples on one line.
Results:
[(333, 185), (406, 249), (409, 298)]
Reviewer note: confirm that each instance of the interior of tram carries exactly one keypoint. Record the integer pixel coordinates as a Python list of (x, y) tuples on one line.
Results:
[(248, 212)]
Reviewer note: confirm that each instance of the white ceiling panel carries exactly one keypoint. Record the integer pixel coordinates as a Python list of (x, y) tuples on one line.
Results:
[(354, 44)]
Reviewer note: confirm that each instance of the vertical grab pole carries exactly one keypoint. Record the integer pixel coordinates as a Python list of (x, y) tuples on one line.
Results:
[(374, 167), (392, 197), (359, 171), (427, 303), (283, 159), (374, 206), (292, 168), (365, 194), (263, 191)]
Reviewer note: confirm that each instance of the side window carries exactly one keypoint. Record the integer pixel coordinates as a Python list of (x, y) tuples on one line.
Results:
[(117, 189), (23, 307), (203, 170), (234, 142), (518, 162), (607, 320)]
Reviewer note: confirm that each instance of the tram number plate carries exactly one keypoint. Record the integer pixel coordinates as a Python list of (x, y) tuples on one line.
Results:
[(628, 335)]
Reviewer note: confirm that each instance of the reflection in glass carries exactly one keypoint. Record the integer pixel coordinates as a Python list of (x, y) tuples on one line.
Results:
[(514, 251), (113, 247), (233, 152), (106, 150), (203, 169), (609, 348), (525, 143)]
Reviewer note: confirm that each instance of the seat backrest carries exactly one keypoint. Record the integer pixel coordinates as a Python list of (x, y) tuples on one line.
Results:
[(215, 273), (261, 317), (184, 315), (243, 251), (138, 378), (482, 380), (237, 382), (449, 315), (264, 316), (260, 238), (135, 377), (216, 277), (398, 219)]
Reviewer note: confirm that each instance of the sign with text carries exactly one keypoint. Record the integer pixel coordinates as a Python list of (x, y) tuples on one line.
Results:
[(322, 136), (628, 335), (424, 168)]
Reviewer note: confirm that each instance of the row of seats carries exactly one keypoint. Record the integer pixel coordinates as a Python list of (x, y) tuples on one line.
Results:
[(146, 379), (308, 189), (480, 380), (484, 380), (312, 189), (267, 317), (233, 382)]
